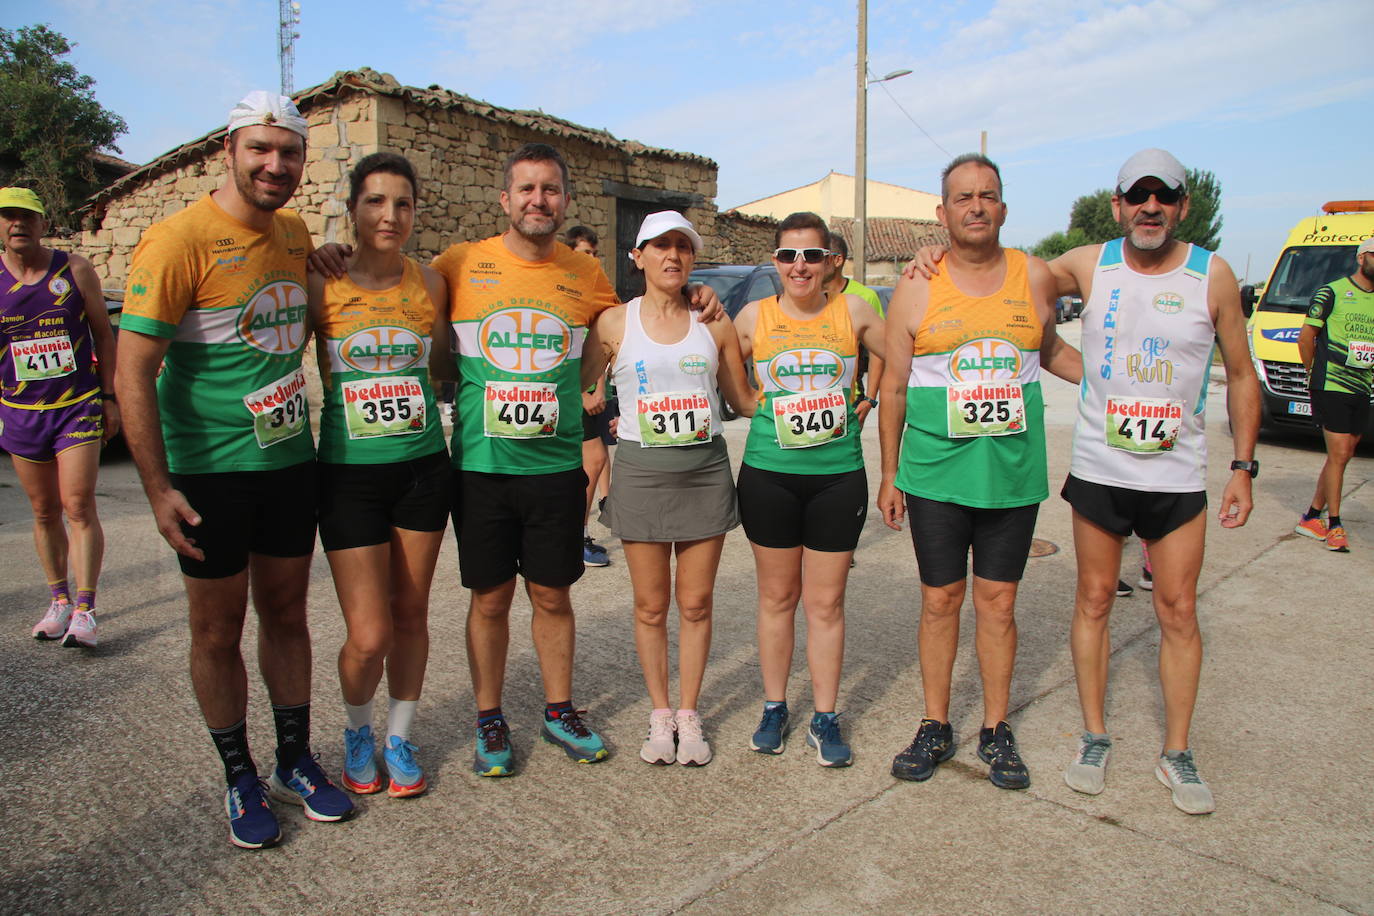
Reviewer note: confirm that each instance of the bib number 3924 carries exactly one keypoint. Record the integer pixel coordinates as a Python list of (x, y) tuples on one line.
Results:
[(1143, 425), (43, 357), (391, 406), (520, 410), (279, 409), (985, 409), (808, 420), (674, 418)]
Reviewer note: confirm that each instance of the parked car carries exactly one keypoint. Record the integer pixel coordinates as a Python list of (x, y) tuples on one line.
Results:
[(884, 296), (1067, 308), (738, 284)]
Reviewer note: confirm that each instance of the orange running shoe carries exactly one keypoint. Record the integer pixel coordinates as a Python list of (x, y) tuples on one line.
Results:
[(1336, 540), (1312, 528)]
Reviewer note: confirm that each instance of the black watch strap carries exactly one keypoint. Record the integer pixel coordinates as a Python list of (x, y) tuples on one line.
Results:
[(1251, 466)]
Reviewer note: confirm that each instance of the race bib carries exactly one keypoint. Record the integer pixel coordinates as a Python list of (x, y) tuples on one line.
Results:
[(279, 410), (520, 410), (674, 418), (1359, 354), (985, 409), (808, 420), (1143, 425), (43, 357), (391, 406)]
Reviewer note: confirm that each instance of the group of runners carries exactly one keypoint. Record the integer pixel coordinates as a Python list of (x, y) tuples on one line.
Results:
[(220, 305)]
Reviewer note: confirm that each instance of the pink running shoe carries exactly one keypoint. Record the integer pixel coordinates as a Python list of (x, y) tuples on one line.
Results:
[(54, 622), (82, 631)]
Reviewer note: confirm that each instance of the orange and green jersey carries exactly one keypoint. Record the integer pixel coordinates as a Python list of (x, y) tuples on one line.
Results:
[(232, 300), (805, 423), (46, 352), (374, 348), (975, 418), (520, 327)]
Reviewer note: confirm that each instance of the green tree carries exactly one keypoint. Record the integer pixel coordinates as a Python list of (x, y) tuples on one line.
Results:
[(1056, 243), (1203, 225), (50, 121), (1091, 220), (1092, 215)]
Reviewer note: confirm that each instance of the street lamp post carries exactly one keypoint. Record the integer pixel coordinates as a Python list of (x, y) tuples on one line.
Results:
[(862, 82)]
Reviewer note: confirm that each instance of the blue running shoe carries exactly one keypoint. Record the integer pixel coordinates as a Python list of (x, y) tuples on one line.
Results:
[(252, 825), (771, 736), (593, 554), (578, 741), (824, 736), (407, 779), (307, 785), (360, 765), (493, 757)]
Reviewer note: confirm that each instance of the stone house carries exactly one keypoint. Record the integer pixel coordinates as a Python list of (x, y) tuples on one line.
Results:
[(458, 145)]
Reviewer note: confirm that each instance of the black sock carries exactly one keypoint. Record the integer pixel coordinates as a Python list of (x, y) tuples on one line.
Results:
[(1333, 521), (1311, 513), (293, 733), (486, 716), (553, 711), (232, 744)]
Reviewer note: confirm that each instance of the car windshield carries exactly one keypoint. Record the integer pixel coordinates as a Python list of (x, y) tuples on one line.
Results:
[(723, 284), (1301, 272)]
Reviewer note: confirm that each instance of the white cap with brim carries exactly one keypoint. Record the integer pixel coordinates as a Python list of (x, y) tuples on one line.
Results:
[(1365, 247), (266, 109), (663, 222), (1152, 163)]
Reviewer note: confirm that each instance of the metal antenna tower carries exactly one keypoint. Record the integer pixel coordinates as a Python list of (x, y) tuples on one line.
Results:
[(286, 44)]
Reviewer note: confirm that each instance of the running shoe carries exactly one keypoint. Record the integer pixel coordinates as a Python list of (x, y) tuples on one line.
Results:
[(1123, 589), (493, 756), (360, 761), (407, 779), (305, 784), (1088, 772), (1147, 579), (771, 735), (593, 554), (997, 748), (1178, 773), (578, 741), (824, 735), (252, 825), (81, 631), (54, 622), (1311, 528), (693, 750), (1335, 540), (660, 748), (932, 746)]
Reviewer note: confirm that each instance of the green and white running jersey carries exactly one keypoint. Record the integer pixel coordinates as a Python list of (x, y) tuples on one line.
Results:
[(1344, 317)]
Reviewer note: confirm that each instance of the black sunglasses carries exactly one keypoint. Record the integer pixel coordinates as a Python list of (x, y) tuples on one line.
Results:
[(1137, 195), (809, 255)]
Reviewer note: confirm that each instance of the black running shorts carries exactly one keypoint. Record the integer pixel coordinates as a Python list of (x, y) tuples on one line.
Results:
[(265, 512), (823, 512), (943, 534), (1341, 411), (530, 524), (1121, 511), (359, 504)]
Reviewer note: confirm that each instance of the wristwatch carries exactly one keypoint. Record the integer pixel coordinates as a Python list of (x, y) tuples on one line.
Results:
[(1251, 466), (872, 401)]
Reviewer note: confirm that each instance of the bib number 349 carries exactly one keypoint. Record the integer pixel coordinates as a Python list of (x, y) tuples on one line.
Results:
[(1143, 425), (808, 420)]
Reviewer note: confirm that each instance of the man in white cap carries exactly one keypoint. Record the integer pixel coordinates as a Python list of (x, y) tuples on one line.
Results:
[(212, 334), (1337, 347)]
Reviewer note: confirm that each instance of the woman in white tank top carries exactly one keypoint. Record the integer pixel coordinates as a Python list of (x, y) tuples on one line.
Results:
[(671, 489)]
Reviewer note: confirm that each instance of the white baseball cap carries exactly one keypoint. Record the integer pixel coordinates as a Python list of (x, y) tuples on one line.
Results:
[(1152, 163), (1365, 247), (663, 222)]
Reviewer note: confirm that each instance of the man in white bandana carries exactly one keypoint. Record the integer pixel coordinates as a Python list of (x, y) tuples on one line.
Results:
[(209, 374)]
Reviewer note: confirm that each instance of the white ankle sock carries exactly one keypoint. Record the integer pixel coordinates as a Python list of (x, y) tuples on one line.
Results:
[(398, 719), (358, 716)]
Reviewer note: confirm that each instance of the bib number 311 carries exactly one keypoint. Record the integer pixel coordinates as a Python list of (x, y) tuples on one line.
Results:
[(808, 420), (1143, 425)]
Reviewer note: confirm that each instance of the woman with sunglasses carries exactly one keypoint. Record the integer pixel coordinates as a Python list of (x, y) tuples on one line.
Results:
[(671, 489), (803, 493), (384, 473)]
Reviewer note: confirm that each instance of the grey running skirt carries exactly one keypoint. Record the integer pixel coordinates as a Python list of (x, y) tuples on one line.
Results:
[(674, 493)]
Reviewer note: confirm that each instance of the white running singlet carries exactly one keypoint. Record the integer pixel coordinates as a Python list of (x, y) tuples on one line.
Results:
[(684, 371)]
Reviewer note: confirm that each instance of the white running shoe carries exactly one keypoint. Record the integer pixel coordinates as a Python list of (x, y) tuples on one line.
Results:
[(1088, 772), (693, 750), (82, 631), (54, 622), (660, 748), (1177, 772)]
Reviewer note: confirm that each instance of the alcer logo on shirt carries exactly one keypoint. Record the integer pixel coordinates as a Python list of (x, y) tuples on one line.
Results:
[(274, 321), (385, 349), (984, 359), (806, 369), (1168, 303), (524, 341)]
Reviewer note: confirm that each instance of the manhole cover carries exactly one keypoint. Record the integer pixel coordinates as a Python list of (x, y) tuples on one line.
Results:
[(1042, 548)]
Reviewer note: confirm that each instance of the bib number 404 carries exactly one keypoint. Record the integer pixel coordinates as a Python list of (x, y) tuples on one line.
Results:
[(520, 413)]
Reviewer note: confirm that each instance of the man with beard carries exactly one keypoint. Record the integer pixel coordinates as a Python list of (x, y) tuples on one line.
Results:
[(966, 456), (1337, 347), (1154, 307), (209, 373)]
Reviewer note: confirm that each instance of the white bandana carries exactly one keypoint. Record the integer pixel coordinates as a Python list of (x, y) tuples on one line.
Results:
[(260, 107)]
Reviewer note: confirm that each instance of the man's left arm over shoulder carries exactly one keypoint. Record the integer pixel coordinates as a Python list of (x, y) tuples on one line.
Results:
[(1242, 388), (1056, 355)]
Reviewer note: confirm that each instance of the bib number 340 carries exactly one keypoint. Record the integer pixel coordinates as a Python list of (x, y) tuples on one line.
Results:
[(808, 420)]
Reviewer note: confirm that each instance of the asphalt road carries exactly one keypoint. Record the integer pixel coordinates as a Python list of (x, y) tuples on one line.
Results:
[(111, 800)]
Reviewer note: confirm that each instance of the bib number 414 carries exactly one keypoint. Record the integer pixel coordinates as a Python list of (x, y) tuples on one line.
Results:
[(1143, 425)]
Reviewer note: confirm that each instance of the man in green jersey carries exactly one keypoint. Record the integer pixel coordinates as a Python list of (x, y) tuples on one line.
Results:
[(1337, 347)]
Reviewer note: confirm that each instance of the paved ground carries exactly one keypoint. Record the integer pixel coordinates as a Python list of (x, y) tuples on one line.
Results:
[(110, 797)]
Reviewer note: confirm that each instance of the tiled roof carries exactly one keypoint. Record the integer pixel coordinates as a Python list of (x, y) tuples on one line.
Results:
[(890, 238)]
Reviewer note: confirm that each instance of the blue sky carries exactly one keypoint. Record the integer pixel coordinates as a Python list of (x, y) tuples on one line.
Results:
[(1271, 95)]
